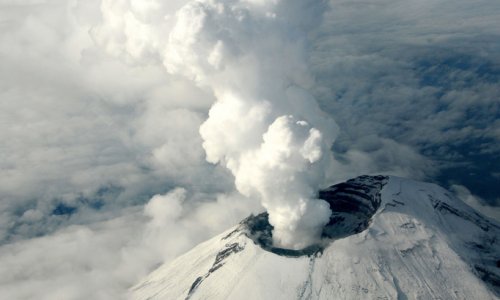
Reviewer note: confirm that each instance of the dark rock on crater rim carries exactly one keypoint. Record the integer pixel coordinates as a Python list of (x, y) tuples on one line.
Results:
[(353, 203)]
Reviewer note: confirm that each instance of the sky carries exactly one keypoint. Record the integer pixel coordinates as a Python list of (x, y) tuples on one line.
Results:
[(103, 165)]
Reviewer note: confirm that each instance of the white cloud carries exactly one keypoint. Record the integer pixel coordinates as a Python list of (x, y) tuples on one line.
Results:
[(102, 259), (408, 72), (475, 202)]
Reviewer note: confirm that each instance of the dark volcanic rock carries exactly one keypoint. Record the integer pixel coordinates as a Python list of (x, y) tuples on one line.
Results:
[(353, 203)]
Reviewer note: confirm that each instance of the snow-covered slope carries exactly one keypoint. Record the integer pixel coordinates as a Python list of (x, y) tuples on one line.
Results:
[(390, 238)]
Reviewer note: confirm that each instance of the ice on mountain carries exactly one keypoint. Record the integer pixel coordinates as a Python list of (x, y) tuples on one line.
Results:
[(396, 239)]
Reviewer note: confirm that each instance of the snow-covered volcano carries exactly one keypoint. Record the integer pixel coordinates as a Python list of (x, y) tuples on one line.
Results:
[(388, 238)]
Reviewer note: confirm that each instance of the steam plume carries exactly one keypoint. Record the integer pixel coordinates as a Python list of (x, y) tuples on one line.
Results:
[(264, 127)]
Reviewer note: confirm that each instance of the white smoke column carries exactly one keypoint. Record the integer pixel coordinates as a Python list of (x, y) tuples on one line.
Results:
[(265, 127)]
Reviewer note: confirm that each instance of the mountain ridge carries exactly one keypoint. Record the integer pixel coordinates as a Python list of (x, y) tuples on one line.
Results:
[(388, 238)]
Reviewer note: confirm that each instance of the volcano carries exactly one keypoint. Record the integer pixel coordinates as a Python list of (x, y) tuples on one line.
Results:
[(388, 238)]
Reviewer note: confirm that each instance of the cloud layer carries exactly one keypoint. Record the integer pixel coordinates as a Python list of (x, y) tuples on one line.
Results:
[(408, 75)]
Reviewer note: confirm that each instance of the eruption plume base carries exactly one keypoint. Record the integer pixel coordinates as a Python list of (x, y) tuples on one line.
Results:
[(353, 205)]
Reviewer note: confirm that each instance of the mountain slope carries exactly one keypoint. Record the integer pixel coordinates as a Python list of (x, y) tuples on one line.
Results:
[(388, 238)]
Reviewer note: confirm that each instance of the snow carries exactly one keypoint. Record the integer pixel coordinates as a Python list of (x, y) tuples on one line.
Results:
[(421, 244)]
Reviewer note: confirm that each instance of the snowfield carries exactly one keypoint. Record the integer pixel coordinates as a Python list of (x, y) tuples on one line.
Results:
[(404, 240)]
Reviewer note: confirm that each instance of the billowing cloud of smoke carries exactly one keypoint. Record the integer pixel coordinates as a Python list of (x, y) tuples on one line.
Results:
[(265, 127)]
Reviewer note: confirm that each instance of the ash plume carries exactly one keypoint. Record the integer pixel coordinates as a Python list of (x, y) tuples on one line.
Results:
[(265, 127)]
